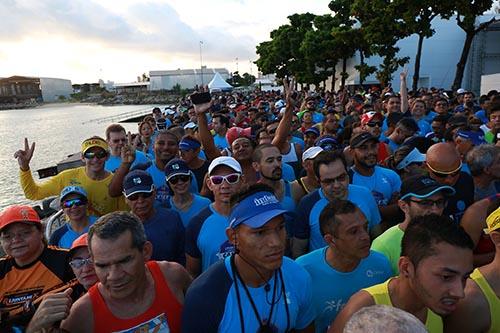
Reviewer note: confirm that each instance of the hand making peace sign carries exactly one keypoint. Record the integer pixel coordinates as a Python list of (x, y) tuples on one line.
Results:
[(24, 156)]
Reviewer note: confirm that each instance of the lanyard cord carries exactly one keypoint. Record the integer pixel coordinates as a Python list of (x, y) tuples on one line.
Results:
[(236, 275)]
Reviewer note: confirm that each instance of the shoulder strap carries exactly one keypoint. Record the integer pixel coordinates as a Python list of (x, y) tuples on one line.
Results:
[(350, 172)]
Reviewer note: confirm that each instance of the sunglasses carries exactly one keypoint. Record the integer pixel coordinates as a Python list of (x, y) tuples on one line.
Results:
[(230, 179), (135, 196), (374, 123), (440, 203), (90, 155), (74, 203), (79, 263), (183, 178)]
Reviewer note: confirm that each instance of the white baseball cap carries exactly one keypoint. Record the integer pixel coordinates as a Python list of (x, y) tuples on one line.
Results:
[(311, 153), (227, 161)]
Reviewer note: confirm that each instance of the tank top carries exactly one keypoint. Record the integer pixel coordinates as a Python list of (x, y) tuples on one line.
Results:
[(287, 202), (163, 316), (292, 159), (380, 294), (491, 297)]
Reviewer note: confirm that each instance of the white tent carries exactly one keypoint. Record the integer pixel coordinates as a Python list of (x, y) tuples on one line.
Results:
[(218, 84)]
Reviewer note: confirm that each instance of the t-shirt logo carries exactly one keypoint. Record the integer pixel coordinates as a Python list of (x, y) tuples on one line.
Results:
[(225, 250), (157, 324)]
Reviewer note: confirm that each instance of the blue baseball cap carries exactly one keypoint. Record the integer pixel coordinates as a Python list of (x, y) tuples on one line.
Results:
[(176, 167), (327, 142), (312, 130), (137, 181), (256, 210), (422, 187), (72, 189), (477, 138), (414, 156)]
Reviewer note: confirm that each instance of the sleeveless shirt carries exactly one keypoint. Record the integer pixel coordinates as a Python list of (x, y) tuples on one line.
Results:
[(163, 316), (491, 297), (380, 294)]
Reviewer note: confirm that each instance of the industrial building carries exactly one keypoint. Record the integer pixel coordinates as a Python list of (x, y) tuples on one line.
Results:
[(186, 78), (19, 89)]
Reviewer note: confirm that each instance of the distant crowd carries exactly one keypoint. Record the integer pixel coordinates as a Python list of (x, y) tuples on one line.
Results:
[(295, 211)]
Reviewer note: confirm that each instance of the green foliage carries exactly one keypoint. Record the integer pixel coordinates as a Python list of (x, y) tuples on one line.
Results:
[(241, 81), (177, 88)]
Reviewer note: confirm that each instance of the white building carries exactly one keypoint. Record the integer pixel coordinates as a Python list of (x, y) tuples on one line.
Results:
[(440, 55), (186, 78), (53, 89)]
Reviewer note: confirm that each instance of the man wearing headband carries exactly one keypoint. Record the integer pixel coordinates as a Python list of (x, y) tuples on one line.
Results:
[(189, 148), (92, 177), (206, 241), (444, 165), (73, 200), (479, 310), (420, 195), (256, 289)]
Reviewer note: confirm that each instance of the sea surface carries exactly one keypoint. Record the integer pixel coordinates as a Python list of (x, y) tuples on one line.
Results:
[(58, 130)]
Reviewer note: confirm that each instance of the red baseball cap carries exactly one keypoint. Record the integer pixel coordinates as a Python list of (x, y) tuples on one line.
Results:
[(79, 242), (372, 115), (19, 213), (236, 132)]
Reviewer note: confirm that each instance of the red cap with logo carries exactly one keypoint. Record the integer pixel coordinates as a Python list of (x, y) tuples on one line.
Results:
[(236, 132), (18, 213)]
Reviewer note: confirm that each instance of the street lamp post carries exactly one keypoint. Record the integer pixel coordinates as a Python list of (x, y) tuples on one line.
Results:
[(201, 64)]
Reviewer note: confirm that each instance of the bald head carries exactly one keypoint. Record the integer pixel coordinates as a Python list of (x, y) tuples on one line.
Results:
[(443, 157)]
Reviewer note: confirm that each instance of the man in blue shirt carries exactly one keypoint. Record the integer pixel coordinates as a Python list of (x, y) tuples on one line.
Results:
[(331, 171), (116, 137), (220, 124), (164, 228), (257, 289), (206, 241), (347, 261)]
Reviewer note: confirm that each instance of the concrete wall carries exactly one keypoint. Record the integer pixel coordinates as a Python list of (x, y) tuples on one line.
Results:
[(169, 79), (53, 88)]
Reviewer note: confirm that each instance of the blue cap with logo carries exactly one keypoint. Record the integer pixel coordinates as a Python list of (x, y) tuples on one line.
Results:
[(477, 138), (256, 210), (176, 167), (72, 190), (137, 181)]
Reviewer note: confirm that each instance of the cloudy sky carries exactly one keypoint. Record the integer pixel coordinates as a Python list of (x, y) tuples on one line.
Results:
[(85, 40)]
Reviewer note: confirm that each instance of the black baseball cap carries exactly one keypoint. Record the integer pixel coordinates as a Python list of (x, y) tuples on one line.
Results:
[(423, 187), (361, 138)]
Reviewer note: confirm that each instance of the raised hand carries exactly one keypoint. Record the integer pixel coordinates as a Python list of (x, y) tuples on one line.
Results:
[(128, 150), (403, 74), (24, 156), (52, 309), (289, 92)]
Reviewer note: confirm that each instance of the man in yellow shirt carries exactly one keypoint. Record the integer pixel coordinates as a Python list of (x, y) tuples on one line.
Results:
[(479, 311), (436, 259), (92, 177)]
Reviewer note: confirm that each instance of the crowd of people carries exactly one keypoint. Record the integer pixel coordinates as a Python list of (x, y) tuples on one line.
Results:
[(294, 211)]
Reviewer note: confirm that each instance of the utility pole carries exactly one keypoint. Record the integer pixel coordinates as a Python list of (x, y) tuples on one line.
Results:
[(201, 64), (237, 65)]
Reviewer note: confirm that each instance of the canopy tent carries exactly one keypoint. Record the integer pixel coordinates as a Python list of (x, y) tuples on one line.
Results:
[(219, 84)]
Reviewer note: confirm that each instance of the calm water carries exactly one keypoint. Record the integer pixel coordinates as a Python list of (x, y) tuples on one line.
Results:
[(57, 130)]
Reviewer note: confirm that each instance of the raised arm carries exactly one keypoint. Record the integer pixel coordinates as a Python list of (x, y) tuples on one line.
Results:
[(285, 125), (206, 138), (403, 90)]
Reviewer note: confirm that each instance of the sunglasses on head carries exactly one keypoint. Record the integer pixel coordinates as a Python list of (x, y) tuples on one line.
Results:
[(230, 179), (440, 174), (90, 155), (183, 178), (374, 123), (74, 203), (135, 196)]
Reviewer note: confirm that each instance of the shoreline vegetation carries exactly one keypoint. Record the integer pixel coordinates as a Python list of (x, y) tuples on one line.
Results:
[(103, 98)]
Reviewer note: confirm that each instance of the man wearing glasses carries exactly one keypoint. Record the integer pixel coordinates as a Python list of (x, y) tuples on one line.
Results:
[(331, 171), (444, 164), (92, 177), (163, 227), (420, 195), (73, 200), (30, 269), (206, 240)]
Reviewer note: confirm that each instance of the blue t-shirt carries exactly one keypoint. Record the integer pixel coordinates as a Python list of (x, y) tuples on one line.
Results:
[(288, 173), (166, 232), (424, 127), (382, 183), (206, 237), (64, 236), (481, 114), (220, 142), (306, 224), (211, 303), (114, 162), (328, 298), (198, 204)]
